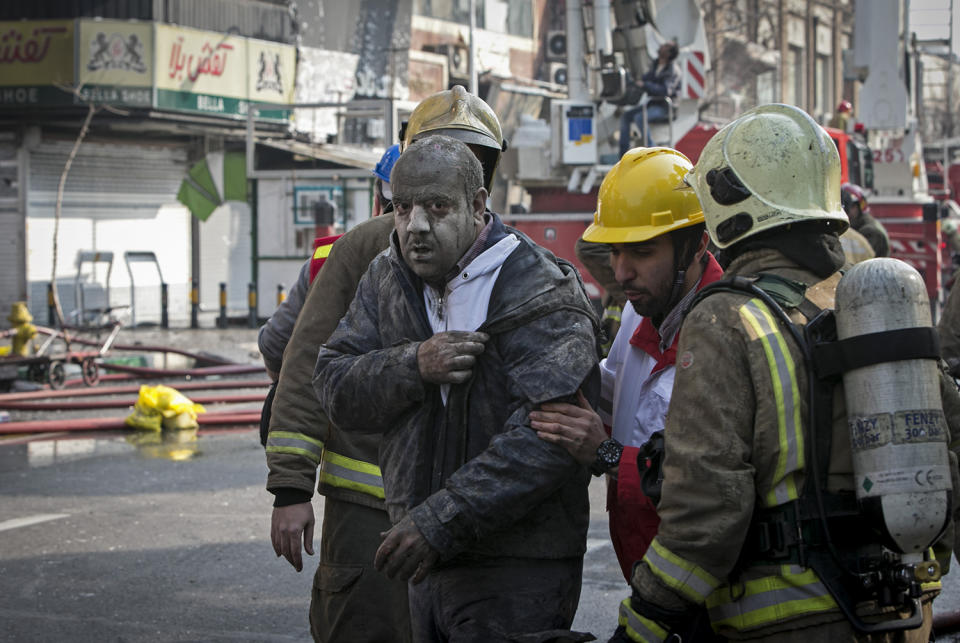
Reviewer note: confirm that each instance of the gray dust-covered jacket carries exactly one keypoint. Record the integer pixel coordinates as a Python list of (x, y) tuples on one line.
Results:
[(472, 474)]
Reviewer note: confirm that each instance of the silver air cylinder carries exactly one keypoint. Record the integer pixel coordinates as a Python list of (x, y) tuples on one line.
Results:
[(898, 433)]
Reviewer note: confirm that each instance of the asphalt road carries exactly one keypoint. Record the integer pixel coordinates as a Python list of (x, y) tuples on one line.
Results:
[(102, 541)]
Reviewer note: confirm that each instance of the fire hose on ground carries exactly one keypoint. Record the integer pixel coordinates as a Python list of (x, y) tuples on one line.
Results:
[(234, 418)]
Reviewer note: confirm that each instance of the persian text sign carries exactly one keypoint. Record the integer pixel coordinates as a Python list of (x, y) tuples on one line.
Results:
[(34, 56), (201, 62), (115, 61), (208, 72)]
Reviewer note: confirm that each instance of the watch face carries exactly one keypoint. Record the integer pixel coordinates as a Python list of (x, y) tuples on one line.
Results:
[(609, 453)]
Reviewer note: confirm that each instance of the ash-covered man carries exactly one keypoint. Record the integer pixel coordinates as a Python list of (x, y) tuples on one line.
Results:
[(456, 333)]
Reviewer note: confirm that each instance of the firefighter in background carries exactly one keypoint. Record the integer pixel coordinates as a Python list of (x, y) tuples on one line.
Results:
[(855, 205), (841, 119), (350, 600), (275, 333), (949, 330), (595, 257), (736, 464), (653, 226)]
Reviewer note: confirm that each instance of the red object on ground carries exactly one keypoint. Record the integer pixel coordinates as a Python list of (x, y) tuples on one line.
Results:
[(47, 394), (94, 424), (124, 403)]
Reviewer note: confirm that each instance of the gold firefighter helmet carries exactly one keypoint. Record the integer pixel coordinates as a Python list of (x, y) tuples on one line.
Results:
[(644, 196), (463, 116)]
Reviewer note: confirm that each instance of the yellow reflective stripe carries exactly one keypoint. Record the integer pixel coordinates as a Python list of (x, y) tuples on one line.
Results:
[(692, 581), (322, 252), (347, 473), (295, 451), (770, 599), (612, 312), (294, 443), (786, 391), (639, 628)]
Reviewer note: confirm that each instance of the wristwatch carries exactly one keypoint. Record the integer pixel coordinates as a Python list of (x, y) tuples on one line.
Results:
[(608, 457)]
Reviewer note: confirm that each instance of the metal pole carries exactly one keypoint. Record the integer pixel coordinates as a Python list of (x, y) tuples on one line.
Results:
[(473, 48), (51, 307), (194, 304), (251, 305), (222, 319), (576, 79), (164, 299), (950, 124)]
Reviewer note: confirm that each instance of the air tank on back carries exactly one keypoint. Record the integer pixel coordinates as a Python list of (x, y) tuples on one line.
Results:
[(898, 432)]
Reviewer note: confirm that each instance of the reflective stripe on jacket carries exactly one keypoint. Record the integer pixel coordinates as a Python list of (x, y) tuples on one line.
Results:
[(321, 250), (301, 437), (735, 442)]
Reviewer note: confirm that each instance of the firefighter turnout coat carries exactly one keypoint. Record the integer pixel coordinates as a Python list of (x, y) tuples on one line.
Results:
[(735, 437), (301, 438)]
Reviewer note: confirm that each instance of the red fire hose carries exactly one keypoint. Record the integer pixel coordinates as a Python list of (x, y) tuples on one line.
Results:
[(47, 394), (230, 369), (73, 405), (94, 424)]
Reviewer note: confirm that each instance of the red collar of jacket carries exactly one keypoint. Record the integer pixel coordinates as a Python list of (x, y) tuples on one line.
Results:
[(647, 338)]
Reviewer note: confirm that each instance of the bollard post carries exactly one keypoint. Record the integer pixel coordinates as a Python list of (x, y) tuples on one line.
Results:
[(51, 308), (281, 294), (222, 319), (251, 305), (164, 300), (194, 304)]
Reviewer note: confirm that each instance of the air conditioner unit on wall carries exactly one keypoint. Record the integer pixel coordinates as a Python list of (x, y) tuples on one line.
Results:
[(458, 59), (557, 45), (557, 73)]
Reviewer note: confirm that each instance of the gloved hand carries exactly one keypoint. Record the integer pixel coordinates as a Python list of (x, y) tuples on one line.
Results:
[(645, 622), (634, 626)]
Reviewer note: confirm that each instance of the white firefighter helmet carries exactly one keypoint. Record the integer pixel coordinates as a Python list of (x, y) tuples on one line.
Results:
[(771, 167)]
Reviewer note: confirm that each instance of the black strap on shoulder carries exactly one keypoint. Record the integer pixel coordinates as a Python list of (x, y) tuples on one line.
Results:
[(834, 358), (787, 293)]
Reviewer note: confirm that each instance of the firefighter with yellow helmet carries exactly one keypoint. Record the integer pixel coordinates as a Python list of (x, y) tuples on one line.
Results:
[(653, 225), (767, 517), (350, 600)]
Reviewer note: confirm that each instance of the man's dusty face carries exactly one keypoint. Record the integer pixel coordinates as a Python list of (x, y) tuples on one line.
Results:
[(645, 271), (435, 222)]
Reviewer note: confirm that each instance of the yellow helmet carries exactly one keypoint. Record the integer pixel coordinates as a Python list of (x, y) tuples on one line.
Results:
[(463, 116), (643, 196), (771, 167)]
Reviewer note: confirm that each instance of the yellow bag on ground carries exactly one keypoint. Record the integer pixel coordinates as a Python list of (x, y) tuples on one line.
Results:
[(163, 407)]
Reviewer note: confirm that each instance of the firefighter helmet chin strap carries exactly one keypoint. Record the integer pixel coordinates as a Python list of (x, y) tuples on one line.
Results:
[(682, 258)]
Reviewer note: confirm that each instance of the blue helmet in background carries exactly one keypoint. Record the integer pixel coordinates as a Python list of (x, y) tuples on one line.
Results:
[(385, 164)]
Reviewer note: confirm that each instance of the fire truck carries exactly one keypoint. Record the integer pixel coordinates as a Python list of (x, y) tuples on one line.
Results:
[(560, 164)]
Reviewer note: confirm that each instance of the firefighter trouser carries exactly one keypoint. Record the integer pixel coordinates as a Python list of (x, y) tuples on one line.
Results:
[(496, 601), (351, 601)]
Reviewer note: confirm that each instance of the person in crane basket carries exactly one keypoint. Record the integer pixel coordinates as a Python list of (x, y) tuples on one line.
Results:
[(662, 80), (762, 518)]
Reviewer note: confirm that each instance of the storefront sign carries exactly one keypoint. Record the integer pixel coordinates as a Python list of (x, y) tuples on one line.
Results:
[(35, 58), (203, 71), (115, 62)]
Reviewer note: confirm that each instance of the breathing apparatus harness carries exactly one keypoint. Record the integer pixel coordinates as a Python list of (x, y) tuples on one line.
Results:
[(819, 530)]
